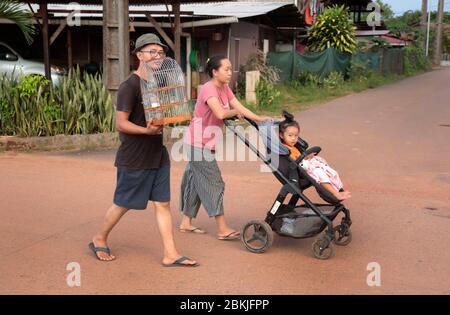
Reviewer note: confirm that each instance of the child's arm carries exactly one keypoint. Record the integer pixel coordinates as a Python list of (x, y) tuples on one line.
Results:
[(339, 195)]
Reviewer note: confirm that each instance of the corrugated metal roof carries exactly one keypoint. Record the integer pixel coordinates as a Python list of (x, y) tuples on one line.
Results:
[(99, 2), (239, 9)]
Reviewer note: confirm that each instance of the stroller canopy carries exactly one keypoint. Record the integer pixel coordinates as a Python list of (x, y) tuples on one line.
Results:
[(269, 132)]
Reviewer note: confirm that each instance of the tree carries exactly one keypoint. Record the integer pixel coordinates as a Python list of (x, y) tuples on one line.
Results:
[(12, 10), (333, 28), (386, 10)]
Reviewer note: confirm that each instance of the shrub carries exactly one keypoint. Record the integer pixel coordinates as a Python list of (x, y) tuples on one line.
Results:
[(414, 60), (333, 80), (359, 70), (266, 94), (32, 107), (334, 28)]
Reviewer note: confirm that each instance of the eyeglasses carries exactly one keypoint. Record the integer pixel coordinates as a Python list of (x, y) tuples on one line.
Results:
[(154, 53)]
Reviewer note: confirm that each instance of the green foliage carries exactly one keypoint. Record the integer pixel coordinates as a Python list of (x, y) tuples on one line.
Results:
[(29, 84), (333, 80), (334, 28), (414, 60), (12, 10), (256, 62), (386, 10), (446, 44), (359, 70), (307, 79), (405, 23), (310, 80), (32, 107), (266, 94)]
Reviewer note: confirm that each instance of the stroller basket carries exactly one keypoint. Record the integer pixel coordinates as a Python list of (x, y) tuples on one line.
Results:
[(303, 222)]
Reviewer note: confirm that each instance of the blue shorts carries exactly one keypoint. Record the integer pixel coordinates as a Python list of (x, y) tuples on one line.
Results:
[(136, 187)]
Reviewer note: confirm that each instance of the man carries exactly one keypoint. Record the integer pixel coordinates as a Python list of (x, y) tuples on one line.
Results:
[(142, 161)]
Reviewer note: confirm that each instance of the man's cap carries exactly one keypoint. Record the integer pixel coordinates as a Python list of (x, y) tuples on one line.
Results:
[(147, 39)]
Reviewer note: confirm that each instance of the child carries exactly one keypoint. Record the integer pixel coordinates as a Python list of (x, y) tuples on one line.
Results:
[(315, 166)]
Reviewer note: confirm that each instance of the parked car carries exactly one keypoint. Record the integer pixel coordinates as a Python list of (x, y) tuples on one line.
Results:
[(13, 64)]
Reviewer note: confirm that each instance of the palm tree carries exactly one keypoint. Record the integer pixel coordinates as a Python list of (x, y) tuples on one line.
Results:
[(12, 10)]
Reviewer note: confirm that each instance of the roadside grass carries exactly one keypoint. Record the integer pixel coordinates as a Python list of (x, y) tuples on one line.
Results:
[(295, 97)]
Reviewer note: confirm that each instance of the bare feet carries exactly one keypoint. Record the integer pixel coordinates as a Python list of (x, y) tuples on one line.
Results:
[(102, 255), (344, 195)]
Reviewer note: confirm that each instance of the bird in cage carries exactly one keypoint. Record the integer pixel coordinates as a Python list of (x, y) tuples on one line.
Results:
[(164, 92)]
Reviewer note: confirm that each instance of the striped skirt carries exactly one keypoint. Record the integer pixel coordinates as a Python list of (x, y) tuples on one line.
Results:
[(202, 183)]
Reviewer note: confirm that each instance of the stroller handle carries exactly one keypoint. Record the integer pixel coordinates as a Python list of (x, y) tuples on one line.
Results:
[(235, 118), (251, 122)]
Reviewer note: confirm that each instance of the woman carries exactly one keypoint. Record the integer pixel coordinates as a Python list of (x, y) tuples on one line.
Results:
[(202, 182)]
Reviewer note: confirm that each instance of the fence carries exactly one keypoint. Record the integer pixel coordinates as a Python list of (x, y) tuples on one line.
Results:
[(291, 64)]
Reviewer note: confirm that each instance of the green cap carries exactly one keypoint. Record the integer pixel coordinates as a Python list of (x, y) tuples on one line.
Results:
[(147, 39)]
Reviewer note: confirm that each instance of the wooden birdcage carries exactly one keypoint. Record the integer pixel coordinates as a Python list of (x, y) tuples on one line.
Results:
[(164, 93)]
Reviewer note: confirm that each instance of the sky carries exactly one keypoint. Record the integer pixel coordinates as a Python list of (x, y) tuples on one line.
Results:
[(401, 6)]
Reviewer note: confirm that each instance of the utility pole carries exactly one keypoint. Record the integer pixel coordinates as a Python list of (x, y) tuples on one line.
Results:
[(438, 52), (423, 22), (427, 45)]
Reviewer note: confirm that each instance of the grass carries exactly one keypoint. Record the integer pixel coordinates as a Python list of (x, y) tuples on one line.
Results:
[(295, 97)]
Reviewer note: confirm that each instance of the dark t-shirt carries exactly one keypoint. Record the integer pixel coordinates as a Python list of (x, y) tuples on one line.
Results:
[(137, 151)]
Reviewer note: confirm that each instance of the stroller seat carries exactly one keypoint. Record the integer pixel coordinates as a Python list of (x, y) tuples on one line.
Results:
[(280, 160)]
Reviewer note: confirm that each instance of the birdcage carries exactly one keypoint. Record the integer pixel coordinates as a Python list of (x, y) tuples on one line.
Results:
[(164, 93)]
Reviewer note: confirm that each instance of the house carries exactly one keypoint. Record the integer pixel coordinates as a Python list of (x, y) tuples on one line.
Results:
[(235, 29)]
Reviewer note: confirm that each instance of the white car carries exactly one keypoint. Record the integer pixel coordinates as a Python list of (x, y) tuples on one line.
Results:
[(12, 64)]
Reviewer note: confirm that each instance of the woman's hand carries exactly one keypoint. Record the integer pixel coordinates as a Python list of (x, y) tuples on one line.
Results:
[(264, 118)]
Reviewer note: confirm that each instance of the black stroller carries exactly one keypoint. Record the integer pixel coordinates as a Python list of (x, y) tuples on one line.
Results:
[(288, 219)]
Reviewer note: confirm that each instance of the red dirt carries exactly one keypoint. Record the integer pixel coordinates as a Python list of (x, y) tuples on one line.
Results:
[(390, 145)]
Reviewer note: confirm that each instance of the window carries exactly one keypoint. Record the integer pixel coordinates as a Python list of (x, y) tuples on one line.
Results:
[(4, 51)]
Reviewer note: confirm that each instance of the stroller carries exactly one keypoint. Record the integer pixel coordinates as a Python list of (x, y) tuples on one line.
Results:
[(288, 219)]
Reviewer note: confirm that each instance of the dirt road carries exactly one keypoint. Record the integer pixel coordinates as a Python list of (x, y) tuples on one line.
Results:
[(391, 146)]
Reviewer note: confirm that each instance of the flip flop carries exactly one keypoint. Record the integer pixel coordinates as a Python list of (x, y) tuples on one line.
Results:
[(178, 263), (232, 236), (195, 230), (99, 249)]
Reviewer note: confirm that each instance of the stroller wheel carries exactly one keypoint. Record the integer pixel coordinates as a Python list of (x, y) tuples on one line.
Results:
[(342, 238), (321, 250), (257, 236)]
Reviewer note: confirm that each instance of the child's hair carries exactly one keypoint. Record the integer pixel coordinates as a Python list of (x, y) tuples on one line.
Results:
[(213, 63), (288, 121)]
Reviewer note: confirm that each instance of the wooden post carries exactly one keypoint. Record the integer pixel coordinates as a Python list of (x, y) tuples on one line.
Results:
[(177, 30), (116, 44), (251, 82), (69, 48), (45, 42)]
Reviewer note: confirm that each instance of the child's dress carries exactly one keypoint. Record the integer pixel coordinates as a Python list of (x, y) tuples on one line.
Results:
[(321, 172)]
